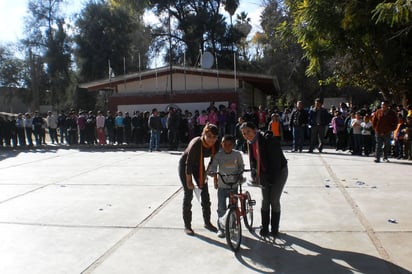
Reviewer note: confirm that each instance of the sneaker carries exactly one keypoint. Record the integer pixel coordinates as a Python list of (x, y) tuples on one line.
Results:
[(189, 231), (210, 227), (220, 233), (377, 161), (386, 160)]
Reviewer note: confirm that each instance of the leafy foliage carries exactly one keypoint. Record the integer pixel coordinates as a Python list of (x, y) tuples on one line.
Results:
[(195, 25), (281, 55), (346, 46), (11, 68), (48, 52), (104, 34)]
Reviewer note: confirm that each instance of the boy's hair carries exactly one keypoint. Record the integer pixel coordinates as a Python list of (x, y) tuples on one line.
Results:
[(229, 138), (247, 124)]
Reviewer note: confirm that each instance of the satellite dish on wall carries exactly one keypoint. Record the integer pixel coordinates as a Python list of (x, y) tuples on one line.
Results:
[(207, 60)]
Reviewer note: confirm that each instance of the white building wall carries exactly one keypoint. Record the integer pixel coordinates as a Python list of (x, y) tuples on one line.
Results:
[(181, 82), (163, 107)]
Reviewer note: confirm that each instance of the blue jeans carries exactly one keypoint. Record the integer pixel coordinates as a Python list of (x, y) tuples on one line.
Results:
[(154, 139), (298, 138), (222, 195), (383, 142)]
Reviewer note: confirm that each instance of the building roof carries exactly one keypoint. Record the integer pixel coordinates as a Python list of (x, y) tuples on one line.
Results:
[(266, 83)]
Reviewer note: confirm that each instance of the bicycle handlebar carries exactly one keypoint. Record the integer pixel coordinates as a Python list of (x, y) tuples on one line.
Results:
[(237, 177)]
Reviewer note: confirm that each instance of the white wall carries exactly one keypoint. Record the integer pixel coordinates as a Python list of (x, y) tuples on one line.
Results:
[(163, 107), (181, 82)]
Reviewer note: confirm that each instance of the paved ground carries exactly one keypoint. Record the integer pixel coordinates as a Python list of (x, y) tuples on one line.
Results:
[(119, 211)]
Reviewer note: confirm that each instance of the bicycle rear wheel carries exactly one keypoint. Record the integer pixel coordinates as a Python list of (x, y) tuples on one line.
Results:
[(248, 211), (233, 230)]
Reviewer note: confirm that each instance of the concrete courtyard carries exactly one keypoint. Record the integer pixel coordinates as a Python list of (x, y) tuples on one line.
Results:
[(119, 211)]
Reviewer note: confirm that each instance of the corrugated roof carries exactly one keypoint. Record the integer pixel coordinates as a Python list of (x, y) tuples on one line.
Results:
[(259, 79)]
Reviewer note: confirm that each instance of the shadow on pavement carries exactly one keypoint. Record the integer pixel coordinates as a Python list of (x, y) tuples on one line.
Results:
[(284, 256), (9, 153)]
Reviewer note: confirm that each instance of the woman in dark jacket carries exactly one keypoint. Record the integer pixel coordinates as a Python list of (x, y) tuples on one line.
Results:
[(191, 165), (269, 170)]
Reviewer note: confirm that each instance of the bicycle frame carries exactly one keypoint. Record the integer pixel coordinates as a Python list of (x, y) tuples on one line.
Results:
[(240, 205), (236, 201), (236, 198)]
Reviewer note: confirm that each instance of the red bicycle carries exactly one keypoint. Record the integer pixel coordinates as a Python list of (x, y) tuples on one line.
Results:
[(240, 206)]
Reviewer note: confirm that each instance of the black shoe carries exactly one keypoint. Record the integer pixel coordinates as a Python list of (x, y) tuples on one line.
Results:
[(264, 232), (189, 231), (377, 161), (293, 150), (210, 227), (274, 234), (310, 151)]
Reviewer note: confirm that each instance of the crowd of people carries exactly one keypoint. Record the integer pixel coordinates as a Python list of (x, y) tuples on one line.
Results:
[(384, 131), (347, 128)]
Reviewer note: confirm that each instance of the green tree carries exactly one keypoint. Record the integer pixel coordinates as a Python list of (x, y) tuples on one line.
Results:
[(231, 7), (48, 55), (58, 59), (133, 6), (195, 25), (244, 27), (105, 33), (282, 56), (395, 13), (11, 68), (345, 45)]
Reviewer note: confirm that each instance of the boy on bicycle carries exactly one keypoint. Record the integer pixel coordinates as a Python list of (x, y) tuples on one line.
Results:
[(226, 161)]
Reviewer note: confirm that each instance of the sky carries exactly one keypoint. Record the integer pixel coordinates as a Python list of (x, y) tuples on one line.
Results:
[(12, 13)]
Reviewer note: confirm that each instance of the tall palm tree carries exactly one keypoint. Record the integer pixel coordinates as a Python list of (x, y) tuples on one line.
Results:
[(243, 23), (231, 7), (243, 26)]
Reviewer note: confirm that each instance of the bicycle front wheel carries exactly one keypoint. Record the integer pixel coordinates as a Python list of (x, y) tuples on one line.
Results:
[(233, 230), (248, 211)]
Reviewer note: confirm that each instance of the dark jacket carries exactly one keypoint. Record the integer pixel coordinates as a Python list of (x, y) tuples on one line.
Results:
[(299, 118), (324, 117), (190, 162), (155, 123), (173, 121), (272, 156)]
